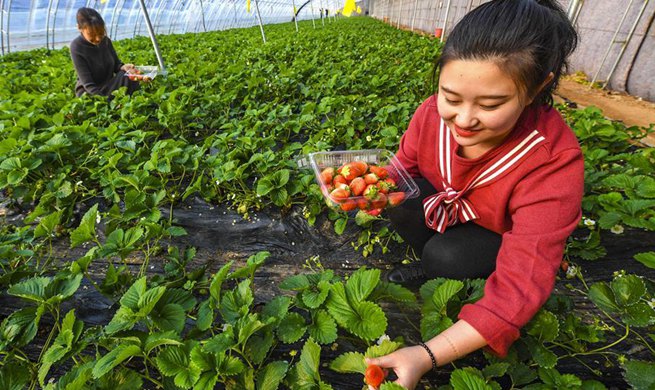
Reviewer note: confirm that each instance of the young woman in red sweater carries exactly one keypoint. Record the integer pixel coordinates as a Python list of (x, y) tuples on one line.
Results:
[(501, 177)]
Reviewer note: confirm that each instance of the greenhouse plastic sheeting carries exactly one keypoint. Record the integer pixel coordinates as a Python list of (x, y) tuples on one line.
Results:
[(30, 24)]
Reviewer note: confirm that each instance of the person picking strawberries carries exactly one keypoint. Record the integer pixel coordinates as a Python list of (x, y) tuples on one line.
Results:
[(501, 178)]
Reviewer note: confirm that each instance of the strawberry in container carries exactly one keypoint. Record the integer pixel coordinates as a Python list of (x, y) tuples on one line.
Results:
[(368, 180)]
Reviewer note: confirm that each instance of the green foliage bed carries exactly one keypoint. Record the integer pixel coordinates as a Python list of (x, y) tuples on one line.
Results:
[(226, 125)]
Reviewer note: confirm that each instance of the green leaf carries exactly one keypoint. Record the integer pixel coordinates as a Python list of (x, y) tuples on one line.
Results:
[(323, 329), (544, 326), (271, 375), (646, 258), (646, 187), (602, 296), (349, 362), (133, 294), (434, 323), (541, 355), (521, 374), (149, 299), (217, 281), (627, 289), (205, 317), (384, 348), (307, 367), (314, 297), (640, 375), (639, 315), (365, 320), (276, 308), (115, 357), (361, 283), (172, 360), (291, 328), (392, 386), (264, 186), (340, 225), (495, 370), (176, 231), (170, 317), (467, 380), (393, 291), (47, 225), (14, 376), (87, 229), (155, 340), (445, 292), (32, 289), (295, 283)]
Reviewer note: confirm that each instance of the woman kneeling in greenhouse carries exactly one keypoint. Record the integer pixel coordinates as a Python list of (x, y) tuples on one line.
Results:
[(99, 71), (501, 177)]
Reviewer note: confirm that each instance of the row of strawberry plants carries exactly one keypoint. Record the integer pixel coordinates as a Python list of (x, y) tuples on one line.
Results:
[(226, 125)]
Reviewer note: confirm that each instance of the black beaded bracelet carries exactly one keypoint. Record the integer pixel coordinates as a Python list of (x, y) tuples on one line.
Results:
[(427, 349)]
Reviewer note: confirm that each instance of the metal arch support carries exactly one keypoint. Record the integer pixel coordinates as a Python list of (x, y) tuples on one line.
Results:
[(624, 45), (47, 25), (114, 19), (153, 38), (2, 26), (30, 20), (158, 16), (54, 23), (130, 17), (414, 16), (295, 14), (609, 47), (259, 18), (445, 21), (202, 12)]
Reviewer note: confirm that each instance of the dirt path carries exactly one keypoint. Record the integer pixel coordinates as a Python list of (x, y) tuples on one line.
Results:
[(630, 110)]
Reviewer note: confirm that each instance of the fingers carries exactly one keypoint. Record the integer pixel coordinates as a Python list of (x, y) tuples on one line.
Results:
[(382, 361)]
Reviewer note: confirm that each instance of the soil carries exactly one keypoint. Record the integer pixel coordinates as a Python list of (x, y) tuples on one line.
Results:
[(630, 110)]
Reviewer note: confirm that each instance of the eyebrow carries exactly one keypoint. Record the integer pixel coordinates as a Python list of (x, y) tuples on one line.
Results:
[(479, 97)]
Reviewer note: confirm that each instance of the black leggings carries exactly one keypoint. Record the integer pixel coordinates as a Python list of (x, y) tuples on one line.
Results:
[(462, 251)]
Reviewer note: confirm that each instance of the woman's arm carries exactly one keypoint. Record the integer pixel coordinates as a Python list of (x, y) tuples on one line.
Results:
[(411, 363)]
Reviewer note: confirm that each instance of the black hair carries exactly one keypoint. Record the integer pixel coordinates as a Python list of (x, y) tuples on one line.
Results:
[(528, 39), (88, 18)]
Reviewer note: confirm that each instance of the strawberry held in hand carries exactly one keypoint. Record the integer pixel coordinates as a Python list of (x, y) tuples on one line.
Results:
[(374, 376)]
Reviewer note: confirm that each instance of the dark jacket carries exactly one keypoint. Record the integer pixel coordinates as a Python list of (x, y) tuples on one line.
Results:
[(95, 65)]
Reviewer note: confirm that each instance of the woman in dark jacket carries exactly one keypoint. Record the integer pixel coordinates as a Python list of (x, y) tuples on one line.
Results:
[(99, 71)]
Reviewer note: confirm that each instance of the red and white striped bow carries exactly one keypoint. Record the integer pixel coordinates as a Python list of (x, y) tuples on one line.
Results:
[(448, 207)]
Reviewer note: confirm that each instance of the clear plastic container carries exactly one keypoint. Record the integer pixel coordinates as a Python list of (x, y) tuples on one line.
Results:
[(147, 71), (319, 161)]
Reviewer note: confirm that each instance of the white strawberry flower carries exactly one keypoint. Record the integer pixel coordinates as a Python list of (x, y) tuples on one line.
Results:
[(383, 338), (588, 222), (617, 229)]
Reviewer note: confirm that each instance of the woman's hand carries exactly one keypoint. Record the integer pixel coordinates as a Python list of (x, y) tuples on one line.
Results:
[(128, 68), (408, 363)]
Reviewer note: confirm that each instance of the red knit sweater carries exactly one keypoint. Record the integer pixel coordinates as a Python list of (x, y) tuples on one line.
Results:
[(535, 206)]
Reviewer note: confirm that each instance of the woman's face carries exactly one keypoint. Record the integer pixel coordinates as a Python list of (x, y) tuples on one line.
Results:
[(91, 35), (480, 104)]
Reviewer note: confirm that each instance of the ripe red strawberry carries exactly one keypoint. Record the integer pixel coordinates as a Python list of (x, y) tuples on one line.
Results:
[(379, 202), (371, 178), (564, 265), (361, 166), (344, 186), (339, 179), (339, 195), (395, 198), (362, 203), (327, 175), (357, 186), (371, 191), (374, 212), (379, 171), (349, 171), (348, 205), (374, 375), (387, 185)]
